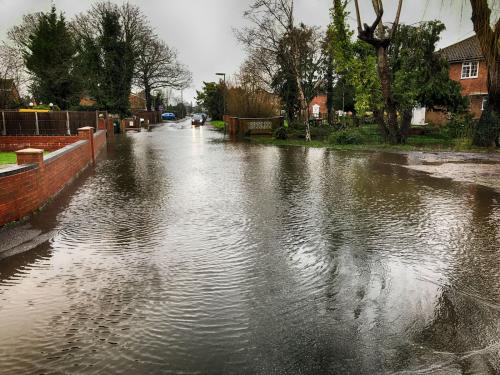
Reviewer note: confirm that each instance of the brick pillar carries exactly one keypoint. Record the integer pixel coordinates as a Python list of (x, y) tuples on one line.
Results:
[(30, 156), (110, 128), (101, 124), (87, 133)]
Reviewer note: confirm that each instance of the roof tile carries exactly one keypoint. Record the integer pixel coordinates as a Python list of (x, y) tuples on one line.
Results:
[(467, 49)]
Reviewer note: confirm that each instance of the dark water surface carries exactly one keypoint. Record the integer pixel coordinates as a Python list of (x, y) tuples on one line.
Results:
[(183, 254)]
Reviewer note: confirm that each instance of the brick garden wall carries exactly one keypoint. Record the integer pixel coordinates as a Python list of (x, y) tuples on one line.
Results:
[(27, 187), (99, 141)]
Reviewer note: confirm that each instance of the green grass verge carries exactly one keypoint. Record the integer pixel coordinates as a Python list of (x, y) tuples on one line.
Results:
[(11, 158), (8, 158), (217, 124), (370, 140)]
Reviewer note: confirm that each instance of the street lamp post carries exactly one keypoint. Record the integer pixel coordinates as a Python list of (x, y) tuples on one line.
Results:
[(223, 98)]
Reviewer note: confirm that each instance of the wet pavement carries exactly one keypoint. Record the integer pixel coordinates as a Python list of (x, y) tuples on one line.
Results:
[(182, 253)]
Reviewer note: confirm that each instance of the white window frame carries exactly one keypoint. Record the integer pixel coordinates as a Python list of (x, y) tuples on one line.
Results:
[(470, 64)]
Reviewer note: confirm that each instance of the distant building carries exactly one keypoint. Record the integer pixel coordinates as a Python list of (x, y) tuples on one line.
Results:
[(9, 95), (468, 67), (137, 101), (87, 102), (318, 107)]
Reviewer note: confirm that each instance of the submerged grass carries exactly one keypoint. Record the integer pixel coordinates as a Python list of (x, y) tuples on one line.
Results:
[(368, 138)]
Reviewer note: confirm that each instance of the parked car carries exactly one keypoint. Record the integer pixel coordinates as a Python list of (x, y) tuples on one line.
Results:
[(168, 116), (198, 119)]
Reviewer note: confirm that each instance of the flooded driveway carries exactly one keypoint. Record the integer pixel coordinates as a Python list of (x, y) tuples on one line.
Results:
[(181, 253)]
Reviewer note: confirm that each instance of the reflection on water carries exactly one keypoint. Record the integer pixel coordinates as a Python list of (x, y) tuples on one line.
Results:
[(181, 253)]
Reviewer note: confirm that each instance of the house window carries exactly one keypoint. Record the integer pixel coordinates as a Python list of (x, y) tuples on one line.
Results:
[(470, 69)]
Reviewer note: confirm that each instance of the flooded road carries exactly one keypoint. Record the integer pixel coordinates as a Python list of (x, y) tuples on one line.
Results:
[(181, 253)]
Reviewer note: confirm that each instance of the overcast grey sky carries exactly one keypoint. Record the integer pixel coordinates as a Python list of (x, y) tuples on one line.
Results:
[(201, 30)]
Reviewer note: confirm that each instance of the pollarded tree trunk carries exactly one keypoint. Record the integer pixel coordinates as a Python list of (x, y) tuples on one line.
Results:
[(406, 116), (488, 128), (381, 44), (384, 73)]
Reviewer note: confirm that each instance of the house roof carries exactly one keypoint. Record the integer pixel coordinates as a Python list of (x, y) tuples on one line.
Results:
[(467, 49)]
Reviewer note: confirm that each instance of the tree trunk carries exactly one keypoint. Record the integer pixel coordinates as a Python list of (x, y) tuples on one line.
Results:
[(380, 120), (384, 73), (148, 97), (406, 117), (329, 91), (487, 131)]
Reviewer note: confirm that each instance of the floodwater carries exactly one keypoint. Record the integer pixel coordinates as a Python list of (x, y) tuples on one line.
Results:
[(181, 253)]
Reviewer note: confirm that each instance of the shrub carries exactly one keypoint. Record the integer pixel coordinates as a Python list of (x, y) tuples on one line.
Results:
[(345, 137), (320, 132), (460, 126), (281, 133)]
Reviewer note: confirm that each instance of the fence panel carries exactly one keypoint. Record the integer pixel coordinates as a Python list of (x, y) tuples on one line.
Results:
[(154, 117), (49, 123), (52, 123), (17, 123)]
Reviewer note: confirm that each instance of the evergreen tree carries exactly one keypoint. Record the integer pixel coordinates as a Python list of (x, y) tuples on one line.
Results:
[(211, 98), (50, 57), (117, 70), (109, 40)]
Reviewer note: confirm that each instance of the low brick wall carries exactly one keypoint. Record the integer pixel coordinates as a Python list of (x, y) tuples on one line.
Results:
[(29, 185), (47, 143), (99, 141), (243, 127)]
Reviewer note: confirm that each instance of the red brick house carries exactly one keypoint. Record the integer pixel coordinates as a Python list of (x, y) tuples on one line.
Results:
[(317, 107), (468, 67)]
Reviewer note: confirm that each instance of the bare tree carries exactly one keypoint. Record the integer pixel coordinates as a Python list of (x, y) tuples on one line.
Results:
[(271, 22), (158, 67), (19, 35), (12, 73), (380, 38), (134, 23)]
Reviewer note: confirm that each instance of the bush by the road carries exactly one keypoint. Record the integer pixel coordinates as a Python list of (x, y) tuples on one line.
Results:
[(346, 137), (281, 133)]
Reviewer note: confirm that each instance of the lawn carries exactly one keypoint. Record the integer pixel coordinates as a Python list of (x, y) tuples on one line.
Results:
[(217, 124), (8, 158), (11, 158), (368, 138)]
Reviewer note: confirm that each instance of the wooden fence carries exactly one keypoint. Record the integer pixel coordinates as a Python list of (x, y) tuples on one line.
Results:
[(46, 123), (150, 117)]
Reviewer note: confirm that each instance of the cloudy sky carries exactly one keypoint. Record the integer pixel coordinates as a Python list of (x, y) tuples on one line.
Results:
[(201, 30)]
